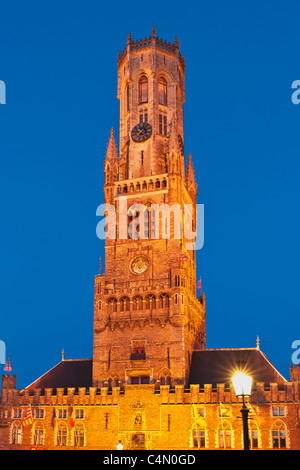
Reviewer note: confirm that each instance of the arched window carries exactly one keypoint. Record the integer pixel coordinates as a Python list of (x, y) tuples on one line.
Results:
[(124, 304), (113, 380), (143, 89), (163, 301), (133, 225), (62, 433), (112, 305), (17, 433), (199, 437), (279, 435), (162, 91), (137, 303), (225, 436), (79, 433), (38, 434), (165, 378), (150, 302)]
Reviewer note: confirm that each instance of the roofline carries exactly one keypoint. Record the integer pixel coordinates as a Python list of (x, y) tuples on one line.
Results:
[(226, 349), (63, 360), (244, 349), (272, 365), (41, 376)]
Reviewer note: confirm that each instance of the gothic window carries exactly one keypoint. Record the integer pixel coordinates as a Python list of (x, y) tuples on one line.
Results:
[(165, 378), (150, 302), (112, 305), (225, 436), (79, 433), (199, 437), (162, 91), (133, 226), (163, 301), (99, 305), (176, 299), (143, 89), (137, 303), (125, 304), (61, 436), (17, 433), (38, 434), (279, 435)]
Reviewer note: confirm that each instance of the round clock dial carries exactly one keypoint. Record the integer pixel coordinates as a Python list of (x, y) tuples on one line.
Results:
[(139, 265), (141, 132)]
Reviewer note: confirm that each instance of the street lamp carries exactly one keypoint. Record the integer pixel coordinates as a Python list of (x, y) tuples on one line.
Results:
[(242, 386)]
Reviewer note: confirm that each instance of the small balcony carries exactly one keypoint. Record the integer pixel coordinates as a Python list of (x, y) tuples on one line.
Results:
[(138, 356)]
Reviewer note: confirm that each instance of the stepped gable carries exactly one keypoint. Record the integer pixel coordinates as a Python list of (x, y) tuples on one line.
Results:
[(212, 366)]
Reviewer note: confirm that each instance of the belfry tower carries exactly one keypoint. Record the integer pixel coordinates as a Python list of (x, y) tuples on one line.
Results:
[(147, 317)]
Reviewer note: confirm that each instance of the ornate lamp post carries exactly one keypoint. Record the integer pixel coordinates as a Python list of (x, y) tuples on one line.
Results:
[(242, 385)]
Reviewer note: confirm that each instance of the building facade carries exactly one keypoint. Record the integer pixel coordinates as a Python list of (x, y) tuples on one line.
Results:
[(151, 383)]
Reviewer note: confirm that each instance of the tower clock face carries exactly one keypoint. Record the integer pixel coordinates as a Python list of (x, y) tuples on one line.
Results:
[(141, 132), (139, 265)]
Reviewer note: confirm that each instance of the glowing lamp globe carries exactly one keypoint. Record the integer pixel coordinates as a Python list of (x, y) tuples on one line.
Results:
[(119, 446), (242, 384)]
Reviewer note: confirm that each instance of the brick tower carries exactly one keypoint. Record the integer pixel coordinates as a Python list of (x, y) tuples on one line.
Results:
[(147, 318)]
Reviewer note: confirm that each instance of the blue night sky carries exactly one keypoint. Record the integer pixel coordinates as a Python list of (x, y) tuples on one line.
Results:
[(58, 60)]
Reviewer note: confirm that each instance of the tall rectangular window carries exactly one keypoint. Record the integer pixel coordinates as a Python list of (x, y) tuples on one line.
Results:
[(143, 90), (163, 124), (162, 91)]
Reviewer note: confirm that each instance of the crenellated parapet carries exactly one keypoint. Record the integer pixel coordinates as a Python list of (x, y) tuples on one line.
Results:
[(141, 45)]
